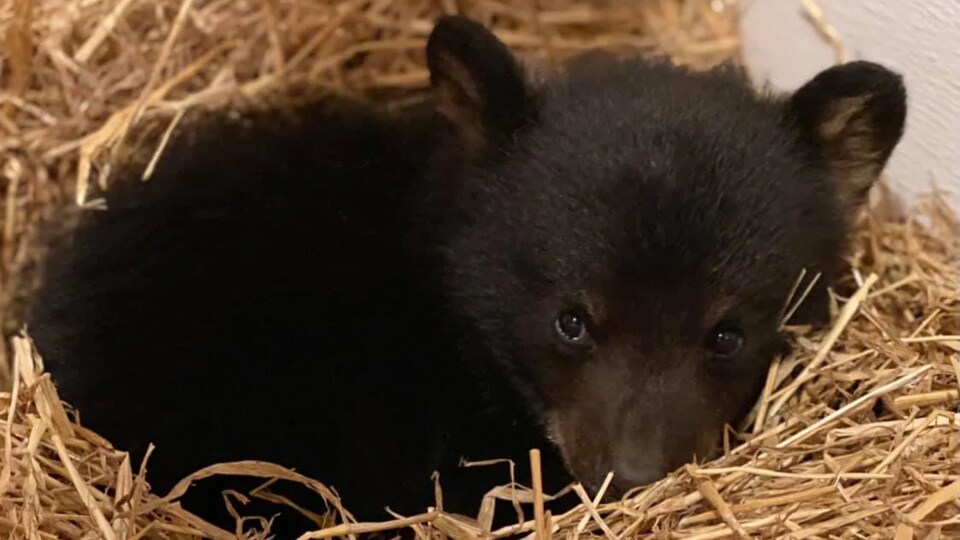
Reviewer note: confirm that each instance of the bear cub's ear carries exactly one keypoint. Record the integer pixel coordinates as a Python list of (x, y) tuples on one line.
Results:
[(851, 116), (479, 86)]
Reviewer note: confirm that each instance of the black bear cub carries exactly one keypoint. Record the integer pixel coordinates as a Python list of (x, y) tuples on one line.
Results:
[(593, 264)]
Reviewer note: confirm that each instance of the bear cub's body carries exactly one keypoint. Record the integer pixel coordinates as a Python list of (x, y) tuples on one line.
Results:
[(593, 265)]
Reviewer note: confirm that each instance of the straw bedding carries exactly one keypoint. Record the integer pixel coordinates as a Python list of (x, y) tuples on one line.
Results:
[(857, 434)]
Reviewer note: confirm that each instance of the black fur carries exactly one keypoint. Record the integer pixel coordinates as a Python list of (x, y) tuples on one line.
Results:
[(370, 297)]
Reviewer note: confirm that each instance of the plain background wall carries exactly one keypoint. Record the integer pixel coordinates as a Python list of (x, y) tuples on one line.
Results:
[(918, 38)]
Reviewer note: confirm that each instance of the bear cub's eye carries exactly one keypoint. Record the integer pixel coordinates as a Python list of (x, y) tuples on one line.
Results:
[(725, 342), (571, 326)]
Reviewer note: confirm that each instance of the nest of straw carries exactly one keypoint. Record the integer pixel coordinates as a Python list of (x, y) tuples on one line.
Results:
[(856, 435)]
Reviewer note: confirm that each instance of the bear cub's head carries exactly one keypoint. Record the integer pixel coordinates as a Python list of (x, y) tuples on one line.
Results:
[(622, 236)]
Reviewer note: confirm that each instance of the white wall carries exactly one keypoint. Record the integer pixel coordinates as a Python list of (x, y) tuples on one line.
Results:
[(918, 38)]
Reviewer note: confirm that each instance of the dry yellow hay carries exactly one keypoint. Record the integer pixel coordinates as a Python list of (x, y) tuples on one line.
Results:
[(857, 434)]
